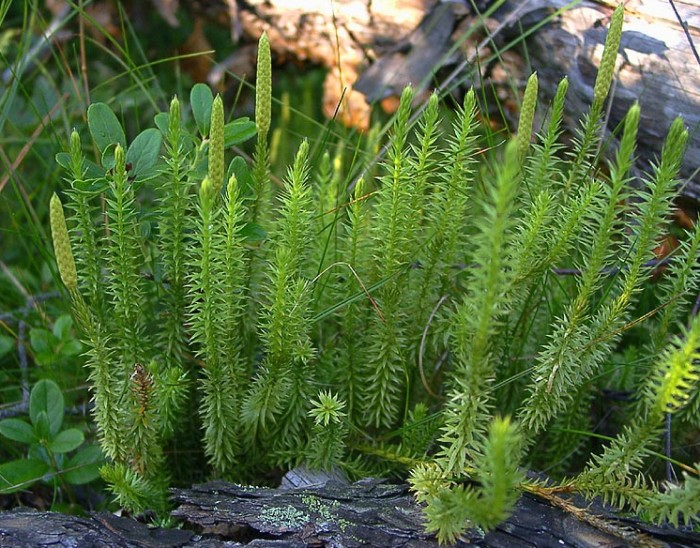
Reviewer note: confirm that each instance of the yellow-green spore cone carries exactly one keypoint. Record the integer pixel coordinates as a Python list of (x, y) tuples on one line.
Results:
[(216, 145), (607, 63), (527, 117), (263, 88), (61, 245)]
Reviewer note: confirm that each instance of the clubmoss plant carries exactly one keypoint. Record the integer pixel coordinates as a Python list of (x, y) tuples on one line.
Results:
[(175, 202), (327, 440), (397, 337), (386, 370)]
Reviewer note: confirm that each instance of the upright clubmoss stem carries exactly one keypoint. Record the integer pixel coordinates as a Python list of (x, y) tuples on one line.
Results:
[(87, 256), (124, 262)]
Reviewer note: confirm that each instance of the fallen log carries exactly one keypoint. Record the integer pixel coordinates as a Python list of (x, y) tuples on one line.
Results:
[(373, 512), (369, 512)]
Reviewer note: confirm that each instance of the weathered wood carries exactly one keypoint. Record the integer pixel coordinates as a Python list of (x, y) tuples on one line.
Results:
[(340, 35), (24, 528), (367, 513), (373, 512)]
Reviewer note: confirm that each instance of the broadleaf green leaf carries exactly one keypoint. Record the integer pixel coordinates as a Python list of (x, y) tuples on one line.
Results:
[(92, 186), (107, 158), (201, 99), (144, 152), (253, 232), (46, 398), (239, 168), (84, 466), (41, 340), (92, 170), (67, 440), (17, 430), (72, 348), (63, 160), (239, 131), (42, 426), (6, 345), (105, 127), (162, 119), (20, 474), (62, 326)]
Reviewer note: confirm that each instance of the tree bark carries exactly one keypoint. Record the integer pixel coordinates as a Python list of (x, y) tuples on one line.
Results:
[(369, 512)]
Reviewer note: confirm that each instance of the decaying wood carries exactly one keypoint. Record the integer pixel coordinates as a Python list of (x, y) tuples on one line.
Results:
[(24, 528), (372, 512), (341, 36), (367, 513)]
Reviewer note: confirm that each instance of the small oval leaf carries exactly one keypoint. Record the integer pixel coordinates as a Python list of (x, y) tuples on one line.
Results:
[(239, 131), (17, 430), (66, 441), (61, 329), (107, 159), (240, 169), (104, 126), (84, 466), (46, 398), (144, 152), (253, 232), (20, 474), (201, 99), (162, 119), (42, 427), (6, 345), (92, 186), (63, 160)]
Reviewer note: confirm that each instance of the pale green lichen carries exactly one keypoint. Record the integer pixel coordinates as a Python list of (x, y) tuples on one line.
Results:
[(287, 517), (325, 510)]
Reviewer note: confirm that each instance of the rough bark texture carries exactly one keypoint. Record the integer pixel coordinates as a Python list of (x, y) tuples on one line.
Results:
[(372, 49), (367, 513)]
